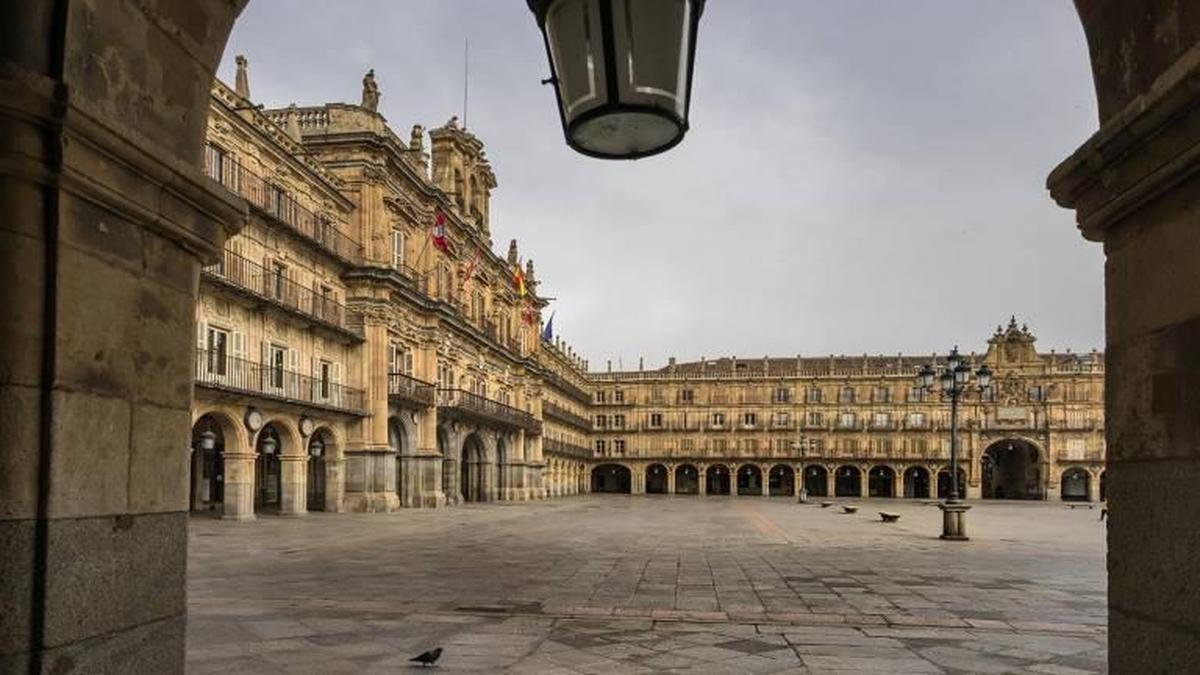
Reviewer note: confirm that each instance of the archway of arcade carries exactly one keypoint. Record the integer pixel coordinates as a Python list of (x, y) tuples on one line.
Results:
[(1012, 468), (716, 479), (656, 479), (1131, 185), (687, 479), (612, 478), (475, 478)]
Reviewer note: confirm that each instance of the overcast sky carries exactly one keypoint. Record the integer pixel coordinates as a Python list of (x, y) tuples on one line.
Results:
[(860, 176)]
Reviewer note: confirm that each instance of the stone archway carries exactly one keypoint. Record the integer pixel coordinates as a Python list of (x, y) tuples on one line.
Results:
[(916, 482), (781, 481), (1012, 469), (398, 442), (944, 485), (716, 479), (816, 480), (749, 480), (687, 479), (881, 481), (1074, 485), (208, 464), (612, 478), (473, 470), (320, 449), (847, 481), (268, 470), (656, 479)]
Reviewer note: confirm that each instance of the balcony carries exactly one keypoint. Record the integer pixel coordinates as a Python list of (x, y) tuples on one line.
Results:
[(464, 404), (560, 414), (552, 446), (405, 389), (251, 278), (231, 374), (276, 203), (567, 388)]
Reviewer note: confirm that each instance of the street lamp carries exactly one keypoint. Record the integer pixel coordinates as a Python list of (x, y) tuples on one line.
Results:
[(208, 439), (316, 447), (954, 381), (621, 70)]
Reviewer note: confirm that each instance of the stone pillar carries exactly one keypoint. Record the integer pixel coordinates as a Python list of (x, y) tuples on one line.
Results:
[(1094, 486), (702, 488), (830, 483), (671, 480), (1134, 186), (334, 487), (105, 219), (293, 479), (898, 484), (239, 487), (764, 474), (864, 483)]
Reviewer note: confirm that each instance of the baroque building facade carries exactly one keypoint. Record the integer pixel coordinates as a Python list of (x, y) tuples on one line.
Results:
[(361, 347)]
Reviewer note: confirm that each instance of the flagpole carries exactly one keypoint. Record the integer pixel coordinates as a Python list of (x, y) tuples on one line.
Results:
[(466, 75)]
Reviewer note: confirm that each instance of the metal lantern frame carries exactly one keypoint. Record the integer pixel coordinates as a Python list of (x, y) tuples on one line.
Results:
[(613, 104)]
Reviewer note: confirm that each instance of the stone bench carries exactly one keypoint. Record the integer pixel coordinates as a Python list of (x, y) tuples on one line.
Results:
[(826, 505), (849, 509), (889, 517)]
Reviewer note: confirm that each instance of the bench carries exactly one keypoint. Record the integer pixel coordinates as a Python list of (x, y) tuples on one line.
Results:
[(826, 505), (849, 509), (889, 517)]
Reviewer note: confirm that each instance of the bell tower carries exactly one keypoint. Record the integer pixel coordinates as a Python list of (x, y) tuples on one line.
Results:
[(462, 171)]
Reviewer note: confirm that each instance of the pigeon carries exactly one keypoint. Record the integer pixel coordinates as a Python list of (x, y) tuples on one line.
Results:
[(428, 658)]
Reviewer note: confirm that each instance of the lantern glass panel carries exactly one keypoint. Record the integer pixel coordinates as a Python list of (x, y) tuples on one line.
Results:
[(577, 48)]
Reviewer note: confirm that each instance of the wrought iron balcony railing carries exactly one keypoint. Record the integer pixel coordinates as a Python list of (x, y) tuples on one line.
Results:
[(221, 371), (277, 203), (552, 411), (272, 285), (464, 403), (410, 390), (557, 447)]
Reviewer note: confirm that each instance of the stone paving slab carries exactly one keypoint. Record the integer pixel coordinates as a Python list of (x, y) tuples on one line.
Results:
[(650, 584)]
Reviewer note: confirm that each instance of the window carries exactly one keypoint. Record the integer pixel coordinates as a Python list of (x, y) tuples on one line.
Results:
[(619, 446), (718, 419), (1076, 419), (749, 419), (276, 357), (618, 421), (601, 421), (847, 420), (214, 163), (782, 395), (686, 396), (217, 347), (601, 397), (1076, 447), (917, 420), (278, 280), (324, 378), (687, 445), (1038, 393), (751, 445), (916, 394), (883, 395), (881, 420), (445, 376), (618, 396), (846, 395), (719, 445), (816, 419), (817, 445), (783, 419), (814, 395), (601, 446), (397, 249), (656, 420)]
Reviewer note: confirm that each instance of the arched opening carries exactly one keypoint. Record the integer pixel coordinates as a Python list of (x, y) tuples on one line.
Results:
[(612, 478), (881, 481), (749, 480), (781, 481), (847, 482), (1010, 470), (472, 470), (396, 441), (916, 482), (1104, 485), (268, 472), (716, 480), (1074, 487), (943, 484), (502, 480), (816, 480), (319, 447), (208, 466), (687, 480), (656, 479)]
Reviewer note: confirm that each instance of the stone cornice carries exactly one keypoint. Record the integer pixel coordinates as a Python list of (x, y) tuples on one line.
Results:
[(1138, 155)]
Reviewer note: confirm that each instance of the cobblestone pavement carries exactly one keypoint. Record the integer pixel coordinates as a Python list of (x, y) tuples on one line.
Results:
[(617, 584)]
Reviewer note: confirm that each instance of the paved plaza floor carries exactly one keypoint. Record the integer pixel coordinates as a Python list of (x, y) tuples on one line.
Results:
[(620, 584)]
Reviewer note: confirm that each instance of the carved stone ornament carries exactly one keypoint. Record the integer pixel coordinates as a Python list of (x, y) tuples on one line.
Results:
[(1012, 390)]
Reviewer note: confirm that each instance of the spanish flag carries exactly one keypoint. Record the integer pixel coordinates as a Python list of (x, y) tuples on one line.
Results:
[(519, 281)]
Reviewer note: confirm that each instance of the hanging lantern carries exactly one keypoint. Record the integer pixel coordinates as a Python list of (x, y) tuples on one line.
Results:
[(622, 71), (208, 439)]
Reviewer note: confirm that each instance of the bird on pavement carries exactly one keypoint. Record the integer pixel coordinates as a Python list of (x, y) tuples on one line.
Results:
[(428, 658)]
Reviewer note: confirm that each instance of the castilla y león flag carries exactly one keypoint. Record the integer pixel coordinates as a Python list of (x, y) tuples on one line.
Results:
[(438, 233)]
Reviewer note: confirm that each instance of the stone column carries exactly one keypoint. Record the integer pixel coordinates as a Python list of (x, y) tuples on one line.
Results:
[(703, 486), (334, 488), (670, 480), (239, 487), (1134, 187), (293, 481), (765, 475), (831, 483), (1094, 486), (864, 483), (898, 484), (105, 219)]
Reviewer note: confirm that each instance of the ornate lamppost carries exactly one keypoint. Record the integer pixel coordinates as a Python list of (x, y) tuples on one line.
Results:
[(955, 380)]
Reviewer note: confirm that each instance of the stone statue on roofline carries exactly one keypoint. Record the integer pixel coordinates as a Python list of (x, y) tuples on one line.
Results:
[(370, 91), (242, 81)]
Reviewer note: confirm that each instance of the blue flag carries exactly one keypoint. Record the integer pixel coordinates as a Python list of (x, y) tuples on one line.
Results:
[(548, 331)]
